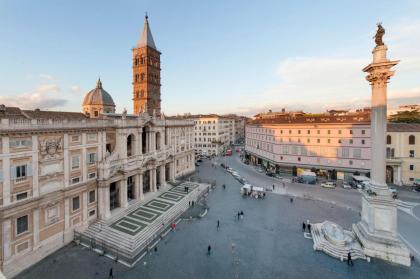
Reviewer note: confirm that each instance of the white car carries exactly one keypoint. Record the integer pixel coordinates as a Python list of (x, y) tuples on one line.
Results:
[(346, 185), (328, 185)]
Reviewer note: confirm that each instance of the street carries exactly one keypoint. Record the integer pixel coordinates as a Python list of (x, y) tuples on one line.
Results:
[(408, 222)]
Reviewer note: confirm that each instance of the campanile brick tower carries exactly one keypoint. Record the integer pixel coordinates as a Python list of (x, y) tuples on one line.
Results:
[(146, 74)]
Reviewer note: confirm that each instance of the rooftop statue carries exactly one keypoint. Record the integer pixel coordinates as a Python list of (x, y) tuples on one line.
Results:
[(379, 34)]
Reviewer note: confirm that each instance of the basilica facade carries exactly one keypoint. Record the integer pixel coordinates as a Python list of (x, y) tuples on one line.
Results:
[(61, 171)]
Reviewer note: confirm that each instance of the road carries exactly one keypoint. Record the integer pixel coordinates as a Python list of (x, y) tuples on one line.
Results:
[(408, 220)]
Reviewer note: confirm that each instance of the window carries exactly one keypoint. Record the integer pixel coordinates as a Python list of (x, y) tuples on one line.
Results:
[(351, 141), (290, 131), (318, 141), (363, 132), (329, 140), (357, 153), (350, 162), (92, 196), (412, 154), (388, 139), (75, 203), (21, 196), (22, 224), (411, 140), (351, 132), (339, 132), (318, 132), (308, 140), (21, 172), (299, 132), (363, 141), (309, 131), (75, 162), (329, 132), (339, 141), (91, 213), (75, 180), (411, 167), (298, 159), (96, 113), (91, 158), (345, 153), (92, 175)]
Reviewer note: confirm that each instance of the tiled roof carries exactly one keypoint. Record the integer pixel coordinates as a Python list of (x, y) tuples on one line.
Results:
[(42, 114), (10, 112), (354, 118), (403, 127)]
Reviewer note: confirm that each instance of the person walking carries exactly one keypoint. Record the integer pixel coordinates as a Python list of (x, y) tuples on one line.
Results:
[(349, 260), (111, 275), (218, 224), (208, 250), (273, 187), (224, 187), (239, 215), (291, 200), (303, 226), (309, 228)]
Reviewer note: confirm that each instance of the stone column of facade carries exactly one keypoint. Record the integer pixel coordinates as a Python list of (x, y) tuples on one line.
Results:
[(377, 231), (67, 225), (121, 144), (66, 160), (139, 143), (123, 192), (6, 172), (139, 186), (35, 219), (104, 209), (35, 180), (7, 237), (85, 207), (152, 180), (162, 176), (84, 158)]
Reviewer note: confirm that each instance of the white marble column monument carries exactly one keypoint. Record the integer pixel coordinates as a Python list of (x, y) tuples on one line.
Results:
[(377, 231)]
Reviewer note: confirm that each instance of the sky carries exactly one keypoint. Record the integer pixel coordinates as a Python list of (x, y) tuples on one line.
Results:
[(217, 56)]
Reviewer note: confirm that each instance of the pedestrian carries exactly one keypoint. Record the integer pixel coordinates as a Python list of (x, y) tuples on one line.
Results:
[(291, 200), (208, 250), (303, 226), (224, 186), (155, 249), (111, 275), (189, 203), (309, 227), (239, 215), (273, 187), (349, 260), (218, 224)]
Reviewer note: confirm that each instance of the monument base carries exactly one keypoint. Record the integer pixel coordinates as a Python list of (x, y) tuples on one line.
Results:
[(377, 231)]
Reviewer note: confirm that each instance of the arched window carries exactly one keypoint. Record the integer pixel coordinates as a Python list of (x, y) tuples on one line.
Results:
[(141, 76), (411, 140), (130, 145), (136, 78), (144, 140), (388, 139), (157, 140)]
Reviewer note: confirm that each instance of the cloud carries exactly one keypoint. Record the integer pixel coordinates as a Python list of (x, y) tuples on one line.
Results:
[(315, 84), (46, 76), (76, 89), (45, 96)]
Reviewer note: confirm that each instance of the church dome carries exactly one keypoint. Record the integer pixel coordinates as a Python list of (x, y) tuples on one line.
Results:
[(98, 96)]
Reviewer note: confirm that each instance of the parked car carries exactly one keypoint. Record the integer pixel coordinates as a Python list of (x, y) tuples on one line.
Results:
[(199, 160), (346, 185), (328, 184), (197, 164), (417, 188), (269, 173), (393, 192)]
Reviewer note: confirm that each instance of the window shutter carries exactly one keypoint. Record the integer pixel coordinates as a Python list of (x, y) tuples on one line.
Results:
[(95, 157), (87, 158), (13, 172), (1, 175), (28, 170)]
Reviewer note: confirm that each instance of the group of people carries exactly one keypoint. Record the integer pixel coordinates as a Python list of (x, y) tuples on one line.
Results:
[(305, 226), (240, 215), (191, 203), (186, 189)]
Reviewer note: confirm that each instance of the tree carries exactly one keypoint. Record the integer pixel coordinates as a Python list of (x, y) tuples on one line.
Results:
[(406, 117)]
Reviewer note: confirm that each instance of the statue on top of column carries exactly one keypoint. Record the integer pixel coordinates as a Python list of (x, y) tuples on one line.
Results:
[(379, 34)]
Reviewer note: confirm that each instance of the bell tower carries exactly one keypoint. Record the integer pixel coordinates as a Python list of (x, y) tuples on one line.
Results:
[(146, 74)]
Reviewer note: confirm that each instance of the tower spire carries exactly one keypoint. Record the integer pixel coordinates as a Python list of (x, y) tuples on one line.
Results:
[(146, 38)]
